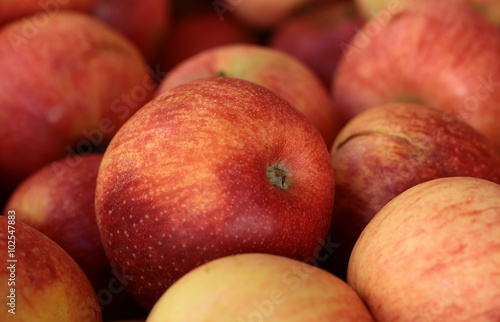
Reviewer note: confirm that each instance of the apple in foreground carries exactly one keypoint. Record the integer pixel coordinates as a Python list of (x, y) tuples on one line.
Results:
[(144, 22), (258, 287), (432, 254), (316, 36), (387, 149), (372, 8), (280, 72), (15, 9), (41, 282), (65, 88), (58, 201), (211, 168), (396, 58)]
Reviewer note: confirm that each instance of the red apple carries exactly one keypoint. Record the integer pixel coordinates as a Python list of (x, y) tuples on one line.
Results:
[(58, 200), (444, 55), (432, 254), (67, 86), (213, 167), (316, 36), (40, 281), (42, 9), (387, 149), (199, 31), (259, 14), (145, 22), (258, 287), (372, 8), (271, 68)]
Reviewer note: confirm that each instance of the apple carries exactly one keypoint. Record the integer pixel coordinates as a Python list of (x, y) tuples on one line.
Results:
[(145, 22), (384, 151), (58, 201), (317, 35), (213, 167), (271, 68), (371, 8), (258, 287), (432, 254), (40, 281), (199, 31), (445, 55), (42, 9), (67, 86), (259, 14)]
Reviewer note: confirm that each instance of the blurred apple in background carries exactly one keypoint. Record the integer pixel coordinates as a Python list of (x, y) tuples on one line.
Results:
[(259, 14), (432, 254), (271, 68), (316, 36), (42, 9), (258, 287), (371, 8), (66, 87), (58, 200), (145, 22), (45, 283), (211, 168), (387, 149), (444, 55), (199, 31)]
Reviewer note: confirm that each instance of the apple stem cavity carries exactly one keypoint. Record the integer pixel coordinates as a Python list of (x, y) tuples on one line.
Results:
[(278, 176), (221, 74)]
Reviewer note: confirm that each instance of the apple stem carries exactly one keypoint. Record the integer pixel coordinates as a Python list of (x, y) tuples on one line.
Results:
[(278, 176)]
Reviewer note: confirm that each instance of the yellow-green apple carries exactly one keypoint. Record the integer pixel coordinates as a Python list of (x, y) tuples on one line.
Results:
[(373, 8), (258, 287), (40, 281), (271, 68), (66, 87), (444, 55), (259, 14), (58, 200), (316, 36), (213, 167), (145, 22), (432, 254), (42, 9), (387, 149), (199, 31)]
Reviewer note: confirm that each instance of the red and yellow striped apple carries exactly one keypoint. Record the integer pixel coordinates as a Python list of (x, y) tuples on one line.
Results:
[(432, 254), (211, 168)]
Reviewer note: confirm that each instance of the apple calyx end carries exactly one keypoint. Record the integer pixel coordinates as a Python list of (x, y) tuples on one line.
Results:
[(278, 176)]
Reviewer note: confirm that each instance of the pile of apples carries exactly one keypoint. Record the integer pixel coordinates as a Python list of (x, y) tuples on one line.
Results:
[(250, 160)]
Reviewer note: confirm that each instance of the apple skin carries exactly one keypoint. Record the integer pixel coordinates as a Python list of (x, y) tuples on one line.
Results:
[(432, 254), (15, 9), (395, 58), (387, 149), (489, 8), (211, 168), (259, 14), (76, 73), (49, 284), (58, 201), (259, 287), (199, 31), (144, 22), (317, 35), (268, 67)]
